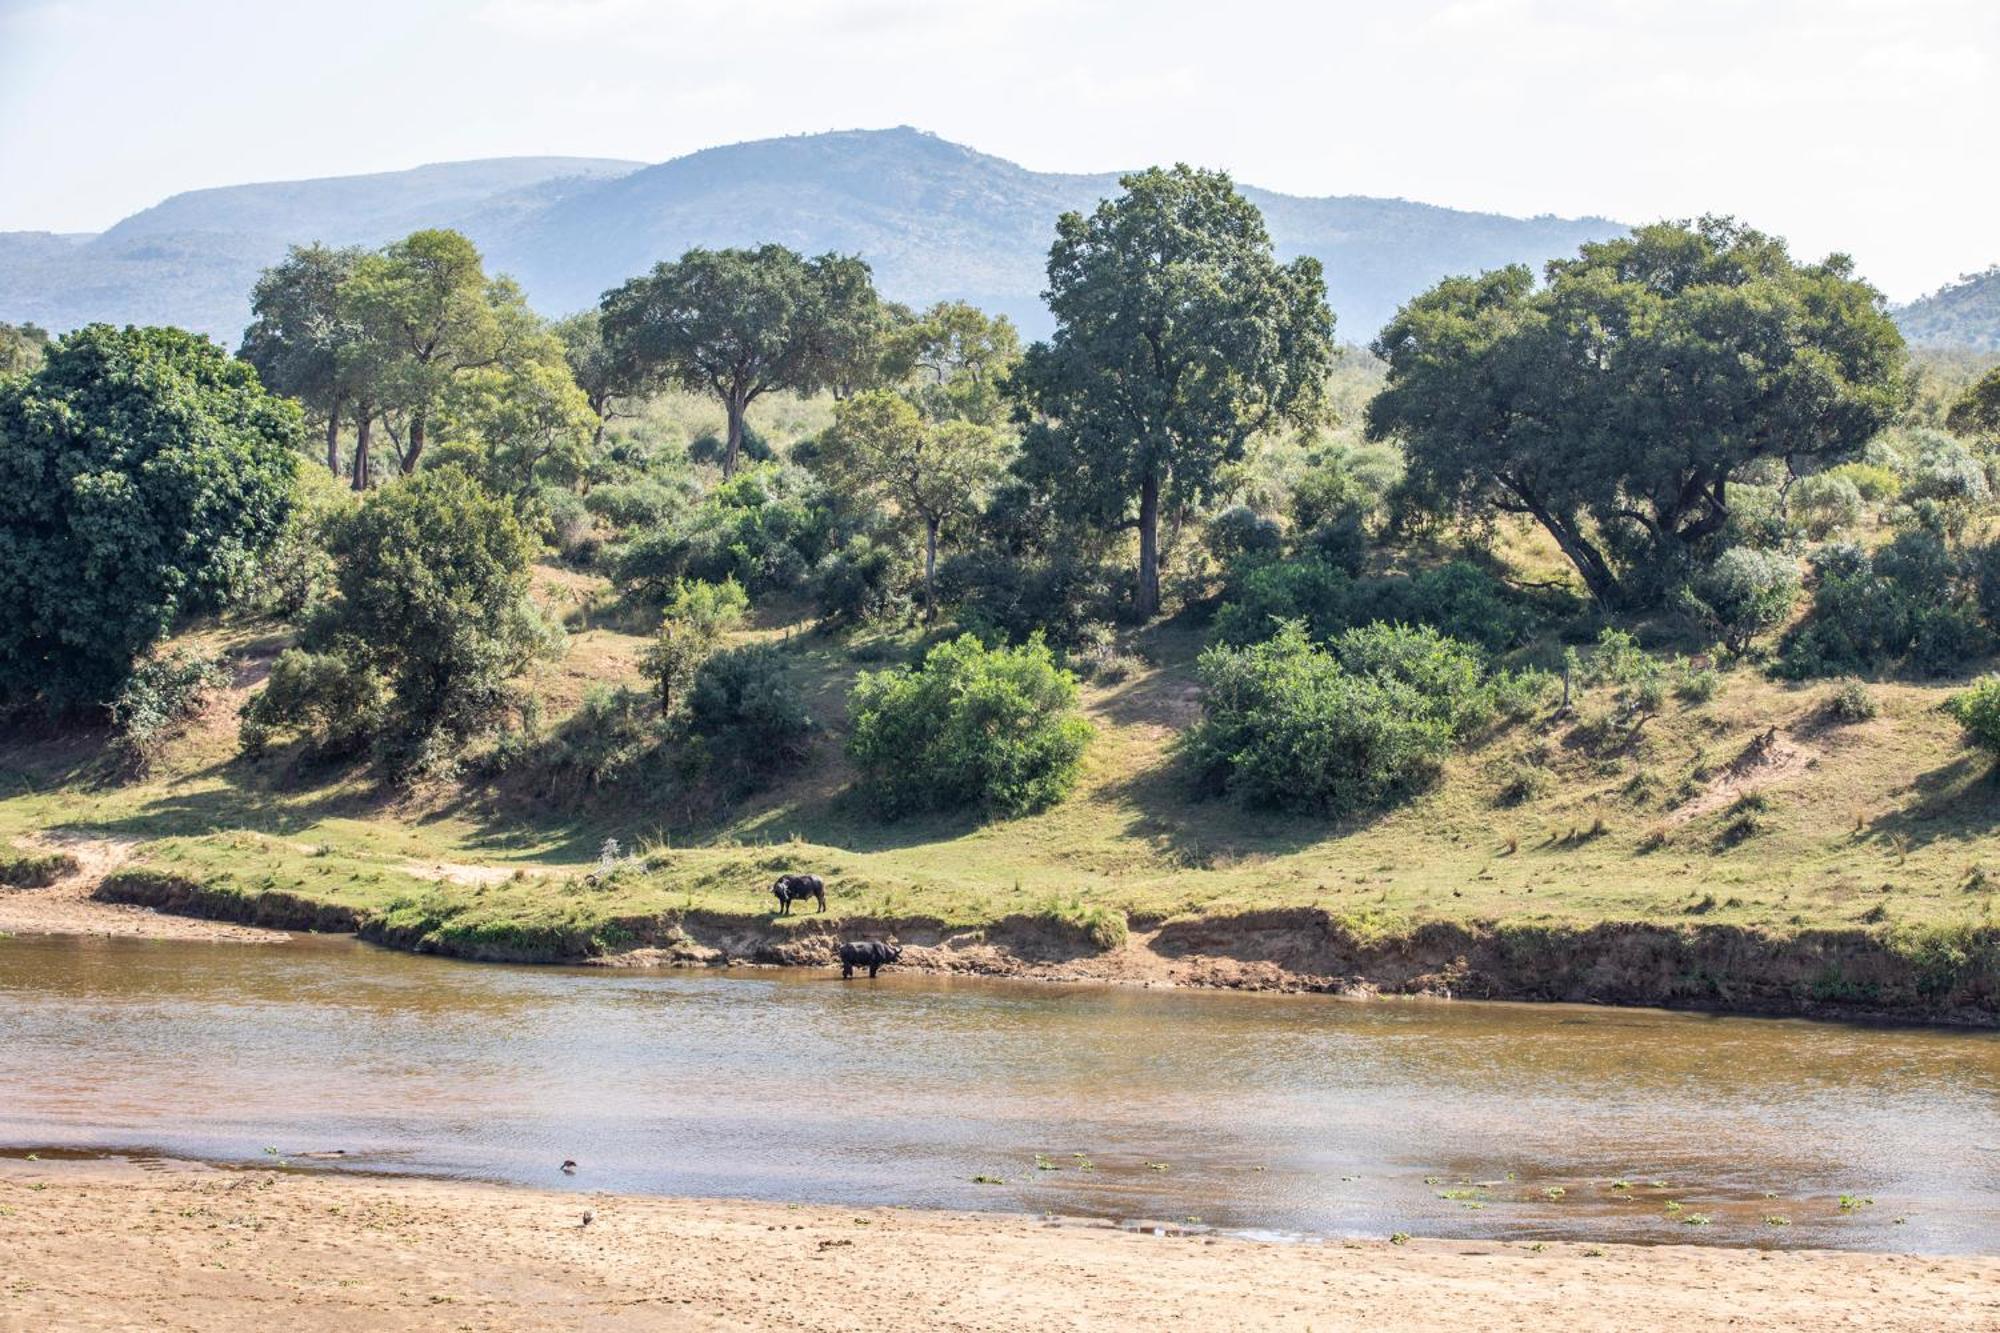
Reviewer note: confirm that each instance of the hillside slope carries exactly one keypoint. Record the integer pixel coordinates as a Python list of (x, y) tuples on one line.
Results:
[(1964, 314), (936, 220), (192, 259)]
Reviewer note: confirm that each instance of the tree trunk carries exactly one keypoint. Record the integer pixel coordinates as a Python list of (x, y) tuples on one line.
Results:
[(735, 404), (930, 571), (1589, 561), (416, 449), (364, 422), (1148, 603), (333, 439)]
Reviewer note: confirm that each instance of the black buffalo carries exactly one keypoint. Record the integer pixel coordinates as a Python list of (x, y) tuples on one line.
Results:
[(797, 888), (871, 954)]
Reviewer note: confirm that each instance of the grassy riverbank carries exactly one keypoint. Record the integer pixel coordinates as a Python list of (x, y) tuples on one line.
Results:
[(1744, 850), (225, 1250)]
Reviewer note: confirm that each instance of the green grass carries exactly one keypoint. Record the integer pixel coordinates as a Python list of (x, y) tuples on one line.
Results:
[(1885, 825)]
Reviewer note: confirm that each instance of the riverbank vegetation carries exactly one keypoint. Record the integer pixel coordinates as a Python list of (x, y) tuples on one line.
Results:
[(1657, 593)]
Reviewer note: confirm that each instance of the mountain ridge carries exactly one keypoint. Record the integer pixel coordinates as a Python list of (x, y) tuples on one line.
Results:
[(933, 218)]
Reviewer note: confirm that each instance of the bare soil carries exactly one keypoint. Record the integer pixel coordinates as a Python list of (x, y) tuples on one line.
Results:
[(67, 907)]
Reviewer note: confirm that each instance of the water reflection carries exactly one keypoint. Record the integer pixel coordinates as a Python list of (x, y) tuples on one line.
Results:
[(1286, 1113)]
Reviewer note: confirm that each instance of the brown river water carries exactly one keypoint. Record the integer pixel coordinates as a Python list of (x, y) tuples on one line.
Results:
[(1276, 1115)]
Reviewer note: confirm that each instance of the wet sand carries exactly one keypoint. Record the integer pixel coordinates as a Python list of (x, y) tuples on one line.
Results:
[(105, 1244)]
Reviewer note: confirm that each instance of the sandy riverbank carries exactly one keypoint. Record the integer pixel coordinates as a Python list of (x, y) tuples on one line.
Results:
[(68, 907), (99, 1245)]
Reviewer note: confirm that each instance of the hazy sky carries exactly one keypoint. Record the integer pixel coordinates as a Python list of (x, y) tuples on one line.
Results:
[(1861, 125)]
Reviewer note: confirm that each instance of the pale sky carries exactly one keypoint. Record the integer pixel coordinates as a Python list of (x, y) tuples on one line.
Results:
[(1860, 125)]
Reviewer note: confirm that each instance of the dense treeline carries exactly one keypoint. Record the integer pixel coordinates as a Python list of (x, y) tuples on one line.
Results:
[(1684, 432)]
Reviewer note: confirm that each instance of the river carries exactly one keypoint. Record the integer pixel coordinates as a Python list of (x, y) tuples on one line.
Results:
[(1276, 1115)]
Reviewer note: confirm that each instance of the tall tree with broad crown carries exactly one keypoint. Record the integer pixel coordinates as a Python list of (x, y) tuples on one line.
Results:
[(738, 324), (1179, 335)]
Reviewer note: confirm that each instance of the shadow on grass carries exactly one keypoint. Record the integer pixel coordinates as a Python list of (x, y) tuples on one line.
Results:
[(1956, 801)]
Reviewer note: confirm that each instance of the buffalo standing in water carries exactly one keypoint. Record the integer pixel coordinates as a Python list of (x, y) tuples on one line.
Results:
[(871, 954), (797, 888)]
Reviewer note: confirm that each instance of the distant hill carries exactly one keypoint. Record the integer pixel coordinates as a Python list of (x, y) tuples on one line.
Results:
[(192, 259), (935, 220), (1965, 313)]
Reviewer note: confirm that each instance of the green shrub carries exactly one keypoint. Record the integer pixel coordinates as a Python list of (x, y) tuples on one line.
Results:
[(143, 474), (1911, 605), (1850, 703), (1008, 598), (1448, 675), (1977, 708), (1826, 504), (1744, 593), (1240, 531), (645, 503), (1457, 599), (159, 697), (1285, 725), (331, 702), (861, 582), (1873, 481), (996, 729), (746, 720), (609, 736)]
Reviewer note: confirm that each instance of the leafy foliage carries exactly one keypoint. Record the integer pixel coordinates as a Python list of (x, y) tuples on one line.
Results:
[(1977, 709), (1745, 593), (142, 476), (746, 720), (1912, 605), (1286, 725), (1178, 336), (996, 730), (160, 696), (1619, 404), (1458, 599), (431, 599)]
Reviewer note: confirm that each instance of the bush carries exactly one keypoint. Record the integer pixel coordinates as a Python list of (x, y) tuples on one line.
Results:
[(1457, 599), (1329, 511), (1239, 531), (645, 503), (432, 607), (1744, 593), (711, 448), (1285, 725), (1872, 481), (1850, 703), (608, 737), (1977, 709), (746, 719), (1008, 598), (332, 703), (765, 528), (1826, 504), (159, 697), (996, 729), (571, 530), (1910, 605), (860, 582), (1448, 676)]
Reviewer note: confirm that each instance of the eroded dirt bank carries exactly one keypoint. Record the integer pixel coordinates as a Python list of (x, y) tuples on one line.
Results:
[(1951, 978), (102, 1245), (74, 905)]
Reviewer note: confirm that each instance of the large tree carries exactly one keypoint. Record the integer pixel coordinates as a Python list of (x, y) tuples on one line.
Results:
[(1616, 405), (142, 474), (430, 315), (1179, 336), (304, 338), (930, 470), (738, 324), (605, 380)]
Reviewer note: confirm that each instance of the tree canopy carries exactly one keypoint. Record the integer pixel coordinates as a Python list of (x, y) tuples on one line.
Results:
[(1617, 404), (142, 474), (1178, 336), (738, 324)]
